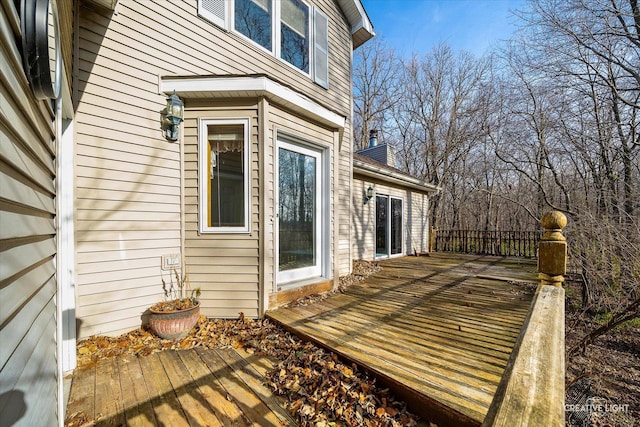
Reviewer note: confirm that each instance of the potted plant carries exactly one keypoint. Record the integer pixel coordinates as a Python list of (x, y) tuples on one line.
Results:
[(174, 317)]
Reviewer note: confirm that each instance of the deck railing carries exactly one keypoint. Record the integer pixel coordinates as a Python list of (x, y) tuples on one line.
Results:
[(501, 243), (531, 392)]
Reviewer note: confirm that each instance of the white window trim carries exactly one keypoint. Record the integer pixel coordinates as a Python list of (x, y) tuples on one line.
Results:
[(310, 40), (212, 17), (203, 176), (231, 19)]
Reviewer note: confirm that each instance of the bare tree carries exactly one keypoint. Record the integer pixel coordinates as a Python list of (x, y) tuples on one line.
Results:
[(597, 43), (587, 56), (551, 121), (436, 118), (376, 89)]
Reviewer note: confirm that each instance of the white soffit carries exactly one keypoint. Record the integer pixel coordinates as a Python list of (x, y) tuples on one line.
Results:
[(251, 87), (361, 26)]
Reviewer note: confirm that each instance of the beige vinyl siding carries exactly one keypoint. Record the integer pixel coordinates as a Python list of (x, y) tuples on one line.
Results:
[(364, 221), (419, 207), (225, 266), (65, 16), (27, 242), (340, 90), (128, 177), (343, 203), (254, 60), (267, 202), (127, 210)]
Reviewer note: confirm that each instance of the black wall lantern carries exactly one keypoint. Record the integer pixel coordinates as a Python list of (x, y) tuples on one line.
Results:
[(368, 195), (41, 55), (175, 115)]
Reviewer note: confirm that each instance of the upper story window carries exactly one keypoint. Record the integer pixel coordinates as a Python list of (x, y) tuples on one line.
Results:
[(294, 33), (253, 18), (292, 30)]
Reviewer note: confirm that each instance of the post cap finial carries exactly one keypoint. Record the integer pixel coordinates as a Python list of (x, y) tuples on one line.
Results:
[(553, 222), (552, 249)]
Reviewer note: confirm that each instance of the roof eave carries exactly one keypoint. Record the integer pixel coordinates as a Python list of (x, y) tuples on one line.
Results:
[(393, 177), (361, 26), (250, 86)]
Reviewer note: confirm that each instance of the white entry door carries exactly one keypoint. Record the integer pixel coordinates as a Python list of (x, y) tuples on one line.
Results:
[(300, 254)]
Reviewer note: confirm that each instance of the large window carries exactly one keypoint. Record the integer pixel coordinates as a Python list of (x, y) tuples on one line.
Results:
[(292, 30), (224, 176)]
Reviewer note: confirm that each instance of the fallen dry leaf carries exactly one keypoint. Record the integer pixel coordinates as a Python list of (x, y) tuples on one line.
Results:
[(320, 388)]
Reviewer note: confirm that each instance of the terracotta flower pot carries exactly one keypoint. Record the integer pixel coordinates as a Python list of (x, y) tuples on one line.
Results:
[(174, 325)]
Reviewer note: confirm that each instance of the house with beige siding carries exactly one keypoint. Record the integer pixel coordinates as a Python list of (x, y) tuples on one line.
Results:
[(252, 198), (390, 207), (101, 199)]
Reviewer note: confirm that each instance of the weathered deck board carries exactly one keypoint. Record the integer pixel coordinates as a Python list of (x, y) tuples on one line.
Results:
[(82, 396), (211, 389), (253, 408), (197, 387), (196, 411), (163, 399), (137, 404), (108, 393), (438, 329)]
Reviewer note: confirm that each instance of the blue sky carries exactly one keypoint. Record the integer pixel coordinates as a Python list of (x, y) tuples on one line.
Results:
[(417, 25)]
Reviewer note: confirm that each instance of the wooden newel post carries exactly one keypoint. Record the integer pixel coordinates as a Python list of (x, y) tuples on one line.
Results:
[(531, 392), (552, 250)]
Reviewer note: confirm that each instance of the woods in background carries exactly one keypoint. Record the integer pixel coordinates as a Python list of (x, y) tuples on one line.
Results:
[(547, 120)]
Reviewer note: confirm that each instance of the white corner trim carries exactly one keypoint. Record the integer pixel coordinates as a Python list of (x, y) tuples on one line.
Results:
[(203, 87)]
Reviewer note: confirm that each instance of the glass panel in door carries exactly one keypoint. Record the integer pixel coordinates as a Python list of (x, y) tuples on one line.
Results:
[(298, 213), (382, 207), (396, 226)]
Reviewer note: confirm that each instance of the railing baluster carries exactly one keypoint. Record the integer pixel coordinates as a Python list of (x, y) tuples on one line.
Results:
[(513, 243)]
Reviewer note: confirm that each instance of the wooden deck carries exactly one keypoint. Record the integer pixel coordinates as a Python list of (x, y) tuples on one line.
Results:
[(198, 387), (438, 329)]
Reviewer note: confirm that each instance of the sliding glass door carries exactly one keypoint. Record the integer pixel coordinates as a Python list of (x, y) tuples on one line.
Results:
[(395, 228), (388, 238)]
